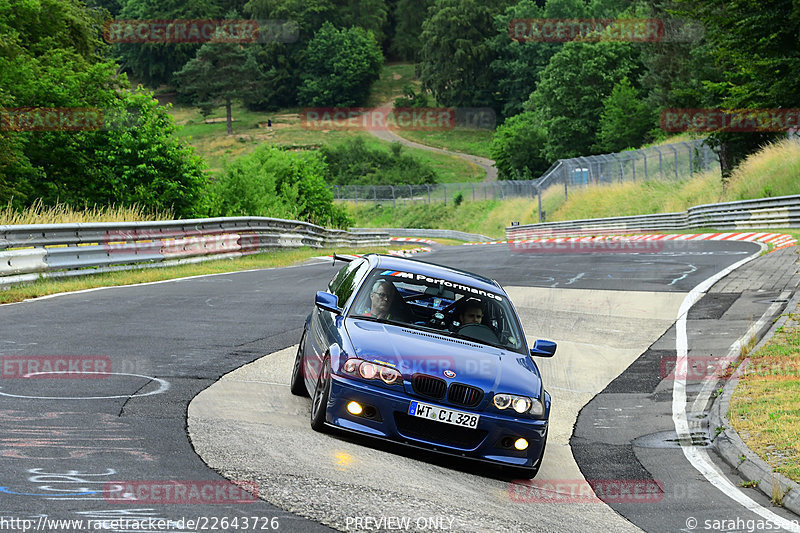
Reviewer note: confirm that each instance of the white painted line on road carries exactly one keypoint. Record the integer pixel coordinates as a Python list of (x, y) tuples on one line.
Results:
[(174, 280), (696, 456), (163, 386)]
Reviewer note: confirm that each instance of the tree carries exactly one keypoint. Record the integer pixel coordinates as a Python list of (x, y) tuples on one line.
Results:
[(755, 47), (340, 67), (271, 182), (409, 16), (517, 147), (517, 64), (219, 73), (569, 98), (153, 64), (455, 53), (625, 120), (51, 57)]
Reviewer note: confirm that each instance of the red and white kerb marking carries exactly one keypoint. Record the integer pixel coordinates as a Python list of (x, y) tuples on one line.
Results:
[(778, 240)]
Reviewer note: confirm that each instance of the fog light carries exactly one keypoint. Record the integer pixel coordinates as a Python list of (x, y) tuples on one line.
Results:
[(521, 444), (354, 408)]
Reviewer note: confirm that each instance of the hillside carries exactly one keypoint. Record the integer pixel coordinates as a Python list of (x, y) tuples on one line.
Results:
[(773, 171)]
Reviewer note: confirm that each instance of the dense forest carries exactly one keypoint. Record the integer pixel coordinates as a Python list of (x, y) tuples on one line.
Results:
[(553, 98)]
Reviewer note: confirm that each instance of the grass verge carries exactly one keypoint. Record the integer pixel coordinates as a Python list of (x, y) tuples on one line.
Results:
[(487, 217), (277, 258), (62, 213), (765, 407), (469, 141), (250, 131)]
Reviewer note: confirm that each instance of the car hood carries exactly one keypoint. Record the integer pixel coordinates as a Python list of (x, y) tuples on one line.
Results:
[(414, 351)]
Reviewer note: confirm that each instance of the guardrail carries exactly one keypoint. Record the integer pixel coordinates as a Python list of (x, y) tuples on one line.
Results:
[(764, 213), (29, 252), (428, 233)]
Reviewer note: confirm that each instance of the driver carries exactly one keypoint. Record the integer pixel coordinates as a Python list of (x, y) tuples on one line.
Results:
[(471, 313), (381, 297)]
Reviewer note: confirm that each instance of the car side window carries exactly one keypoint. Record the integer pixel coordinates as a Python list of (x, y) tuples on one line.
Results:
[(345, 281)]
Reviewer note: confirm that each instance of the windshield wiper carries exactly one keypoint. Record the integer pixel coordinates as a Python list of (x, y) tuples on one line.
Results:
[(379, 320)]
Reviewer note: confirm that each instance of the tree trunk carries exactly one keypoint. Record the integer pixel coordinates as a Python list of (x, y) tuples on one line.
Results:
[(725, 164), (228, 112)]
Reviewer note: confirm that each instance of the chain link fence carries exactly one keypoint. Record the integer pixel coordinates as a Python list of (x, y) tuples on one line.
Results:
[(665, 162), (439, 193)]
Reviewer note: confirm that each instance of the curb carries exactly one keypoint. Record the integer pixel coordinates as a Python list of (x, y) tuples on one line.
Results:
[(778, 240), (732, 449)]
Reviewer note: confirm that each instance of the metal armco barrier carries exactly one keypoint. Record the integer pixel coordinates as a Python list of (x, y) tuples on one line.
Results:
[(428, 233), (29, 252), (764, 213)]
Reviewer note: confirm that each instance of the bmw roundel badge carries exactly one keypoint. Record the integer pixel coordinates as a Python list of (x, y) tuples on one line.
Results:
[(449, 374)]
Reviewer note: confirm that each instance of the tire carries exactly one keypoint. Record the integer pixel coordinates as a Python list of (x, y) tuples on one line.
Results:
[(297, 385), (322, 392)]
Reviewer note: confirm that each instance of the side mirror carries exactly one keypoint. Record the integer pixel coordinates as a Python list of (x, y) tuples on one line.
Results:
[(543, 348), (328, 302)]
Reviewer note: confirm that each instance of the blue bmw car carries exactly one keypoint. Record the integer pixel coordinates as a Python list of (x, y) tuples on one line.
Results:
[(427, 356)]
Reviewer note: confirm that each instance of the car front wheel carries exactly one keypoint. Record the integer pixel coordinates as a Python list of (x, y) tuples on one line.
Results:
[(297, 384), (319, 403)]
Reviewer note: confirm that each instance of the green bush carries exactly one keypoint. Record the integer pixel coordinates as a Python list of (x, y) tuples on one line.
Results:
[(411, 98), (355, 163), (517, 148), (625, 120), (273, 183)]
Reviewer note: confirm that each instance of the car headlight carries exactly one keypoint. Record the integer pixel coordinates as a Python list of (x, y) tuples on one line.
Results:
[(367, 370), (372, 371), (520, 404)]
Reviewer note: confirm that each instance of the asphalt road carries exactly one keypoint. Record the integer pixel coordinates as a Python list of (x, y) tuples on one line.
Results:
[(66, 443)]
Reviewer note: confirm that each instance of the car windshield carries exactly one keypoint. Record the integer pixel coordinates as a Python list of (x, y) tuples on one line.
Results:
[(446, 307)]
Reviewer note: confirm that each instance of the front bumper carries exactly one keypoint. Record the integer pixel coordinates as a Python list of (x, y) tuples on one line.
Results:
[(488, 442)]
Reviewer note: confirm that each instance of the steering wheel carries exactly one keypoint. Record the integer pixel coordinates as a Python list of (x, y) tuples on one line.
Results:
[(480, 332)]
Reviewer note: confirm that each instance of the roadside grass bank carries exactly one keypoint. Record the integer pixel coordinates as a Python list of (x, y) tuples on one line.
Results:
[(487, 217), (277, 258), (210, 140), (765, 407), (469, 141), (394, 76), (65, 214), (774, 171)]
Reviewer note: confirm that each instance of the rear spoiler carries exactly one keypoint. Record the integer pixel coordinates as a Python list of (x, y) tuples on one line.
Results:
[(340, 258)]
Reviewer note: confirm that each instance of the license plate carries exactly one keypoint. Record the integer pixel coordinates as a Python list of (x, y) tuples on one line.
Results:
[(444, 415)]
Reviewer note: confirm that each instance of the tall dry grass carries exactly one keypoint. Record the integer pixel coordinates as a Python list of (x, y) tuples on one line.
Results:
[(38, 213), (772, 171)]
